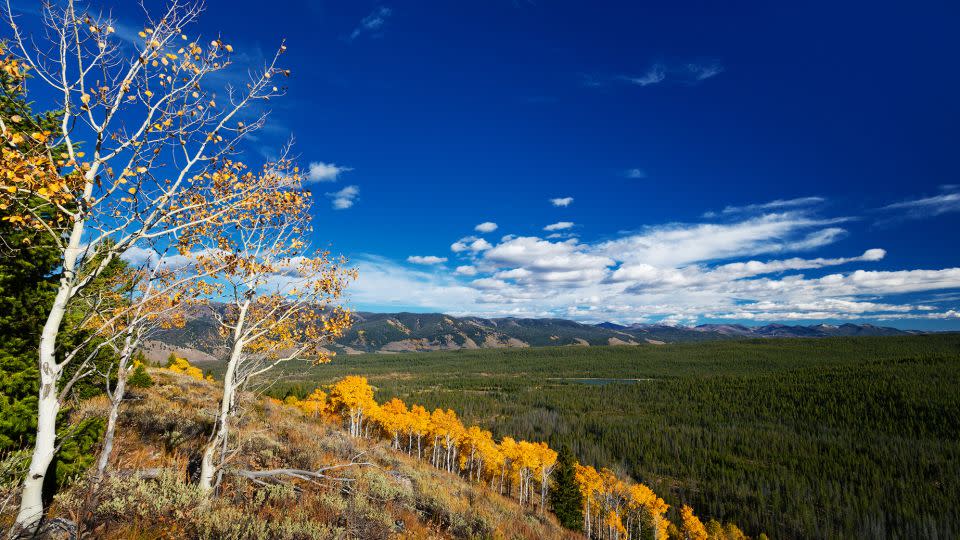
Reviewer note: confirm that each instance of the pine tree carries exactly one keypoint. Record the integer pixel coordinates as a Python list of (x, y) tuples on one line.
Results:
[(140, 378), (28, 279), (565, 497), (28, 262)]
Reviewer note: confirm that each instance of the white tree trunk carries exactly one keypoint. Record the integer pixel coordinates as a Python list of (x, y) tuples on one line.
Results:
[(31, 498), (48, 404), (115, 400), (208, 466), (108, 434)]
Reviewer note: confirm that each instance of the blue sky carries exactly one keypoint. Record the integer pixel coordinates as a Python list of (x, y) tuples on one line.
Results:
[(739, 161)]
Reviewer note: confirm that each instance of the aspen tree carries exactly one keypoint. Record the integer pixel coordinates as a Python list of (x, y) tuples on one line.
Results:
[(280, 295), (147, 128), (691, 528), (147, 299), (419, 426), (546, 461), (591, 484), (353, 396), (393, 418)]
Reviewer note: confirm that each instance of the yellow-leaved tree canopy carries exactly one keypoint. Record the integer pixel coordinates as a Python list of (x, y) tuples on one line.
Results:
[(278, 295)]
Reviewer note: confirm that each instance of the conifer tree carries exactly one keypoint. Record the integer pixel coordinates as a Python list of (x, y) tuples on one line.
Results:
[(28, 278), (565, 497)]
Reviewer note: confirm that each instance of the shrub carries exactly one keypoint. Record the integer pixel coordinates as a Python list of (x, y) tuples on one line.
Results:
[(140, 378)]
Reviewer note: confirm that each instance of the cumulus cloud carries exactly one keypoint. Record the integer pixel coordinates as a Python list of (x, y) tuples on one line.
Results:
[(345, 198), (562, 201), (691, 276), (748, 265), (466, 270), (151, 258), (537, 254), (486, 227), (383, 283), (372, 23), (319, 171), (138, 256), (470, 243), (426, 259), (559, 226)]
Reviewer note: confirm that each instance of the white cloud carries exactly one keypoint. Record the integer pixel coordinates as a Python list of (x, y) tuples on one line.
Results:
[(704, 71), (489, 283), (635, 173), (470, 243), (772, 205), (466, 270), (426, 259), (151, 258), (345, 198), (384, 283), (324, 172), (691, 276), (372, 22), (138, 256), (948, 201), (486, 227), (559, 226), (680, 244), (656, 74), (540, 255), (561, 201), (745, 267)]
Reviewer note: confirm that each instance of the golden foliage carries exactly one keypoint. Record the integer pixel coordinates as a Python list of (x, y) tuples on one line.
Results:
[(690, 525), (181, 365)]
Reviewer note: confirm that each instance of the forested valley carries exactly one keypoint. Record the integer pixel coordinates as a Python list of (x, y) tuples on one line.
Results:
[(848, 437)]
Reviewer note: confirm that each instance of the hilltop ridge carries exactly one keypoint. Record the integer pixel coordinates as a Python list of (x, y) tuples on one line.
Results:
[(419, 332)]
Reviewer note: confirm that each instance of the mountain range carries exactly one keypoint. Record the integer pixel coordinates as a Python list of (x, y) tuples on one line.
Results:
[(410, 332)]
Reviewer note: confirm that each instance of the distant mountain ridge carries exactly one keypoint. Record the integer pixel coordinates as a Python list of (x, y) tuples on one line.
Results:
[(410, 332)]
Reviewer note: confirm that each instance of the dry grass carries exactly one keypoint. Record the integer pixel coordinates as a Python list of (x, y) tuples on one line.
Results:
[(394, 497)]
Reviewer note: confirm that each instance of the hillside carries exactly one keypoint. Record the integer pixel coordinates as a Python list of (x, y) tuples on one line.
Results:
[(384, 494), (419, 332)]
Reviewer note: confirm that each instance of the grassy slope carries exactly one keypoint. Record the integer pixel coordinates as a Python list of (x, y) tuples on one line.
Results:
[(801, 438), (396, 497)]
